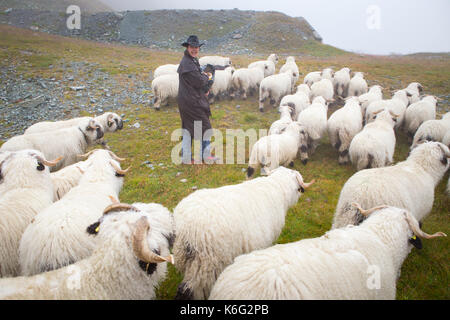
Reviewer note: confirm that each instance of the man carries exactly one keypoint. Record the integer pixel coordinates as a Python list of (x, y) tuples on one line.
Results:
[(193, 102)]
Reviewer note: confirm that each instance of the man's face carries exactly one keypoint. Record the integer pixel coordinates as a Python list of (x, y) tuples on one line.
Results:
[(193, 51)]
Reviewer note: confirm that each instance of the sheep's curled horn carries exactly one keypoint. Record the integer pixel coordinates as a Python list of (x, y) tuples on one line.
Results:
[(119, 171), (48, 163), (304, 185)]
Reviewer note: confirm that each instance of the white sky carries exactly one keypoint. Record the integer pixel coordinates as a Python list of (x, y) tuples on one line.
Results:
[(405, 26)]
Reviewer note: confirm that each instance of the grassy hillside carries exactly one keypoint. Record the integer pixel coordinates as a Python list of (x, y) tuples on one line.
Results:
[(425, 272), (91, 6)]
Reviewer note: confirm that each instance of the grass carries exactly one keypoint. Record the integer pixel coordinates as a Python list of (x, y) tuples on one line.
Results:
[(424, 274)]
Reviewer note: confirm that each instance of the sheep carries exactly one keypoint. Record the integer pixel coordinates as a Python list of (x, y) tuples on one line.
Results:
[(374, 146), (56, 237), (432, 130), (274, 150), (323, 88), (312, 77), (290, 65), (215, 61), (268, 65), (165, 87), (275, 87), (25, 189), (357, 85), (222, 83), (341, 81), (343, 125), (128, 262), (419, 112), (327, 73), (374, 94), (314, 120), (298, 101), (66, 142), (414, 89), (245, 81), (409, 184), (110, 121), (280, 125), (336, 265), (166, 69), (397, 104), (213, 226)]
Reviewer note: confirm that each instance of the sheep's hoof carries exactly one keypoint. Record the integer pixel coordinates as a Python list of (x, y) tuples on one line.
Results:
[(305, 161), (291, 164)]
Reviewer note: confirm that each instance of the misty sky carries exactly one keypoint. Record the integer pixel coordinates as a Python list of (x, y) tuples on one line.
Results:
[(367, 26)]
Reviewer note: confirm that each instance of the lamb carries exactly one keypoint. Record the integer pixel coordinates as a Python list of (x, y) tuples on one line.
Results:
[(397, 104), (336, 265), (129, 260), (274, 150), (432, 130), (25, 189), (323, 88), (165, 87), (374, 146), (66, 142), (357, 85), (245, 81), (298, 101), (375, 94), (215, 61), (419, 112), (290, 65), (343, 125), (222, 83), (409, 184), (285, 120), (341, 81), (275, 87), (314, 120), (213, 226), (166, 69), (268, 65), (56, 237), (110, 122)]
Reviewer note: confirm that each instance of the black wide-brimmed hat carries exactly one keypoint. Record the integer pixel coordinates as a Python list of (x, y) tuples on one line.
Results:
[(192, 41)]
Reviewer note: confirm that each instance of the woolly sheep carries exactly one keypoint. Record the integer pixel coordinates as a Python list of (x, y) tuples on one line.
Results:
[(343, 125), (334, 266), (409, 184), (414, 89), (66, 142), (432, 130), (213, 226), (290, 65), (298, 101), (275, 87), (275, 150), (341, 81), (166, 69), (374, 146), (56, 237), (215, 61), (110, 121), (268, 65), (165, 87), (419, 112), (123, 265), (222, 83), (280, 125), (25, 189), (245, 81), (374, 94), (357, 85), (323, 88), (397, 104), (314, 121)]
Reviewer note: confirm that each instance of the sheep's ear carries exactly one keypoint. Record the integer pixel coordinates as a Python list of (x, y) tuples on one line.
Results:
[(416, 242), (93, 228)]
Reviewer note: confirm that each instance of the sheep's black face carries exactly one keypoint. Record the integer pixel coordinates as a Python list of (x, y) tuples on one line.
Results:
[(40, 166), (99, 132), (119, 124)]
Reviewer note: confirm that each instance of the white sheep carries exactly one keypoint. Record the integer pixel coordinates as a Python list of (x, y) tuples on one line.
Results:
[(275, 150), (129, 260), (215, 61), (341, 81), (327, 73), (419, 112), (66, 142), (375, 93), (290, 65), (164, 88), (397, 104), (213, 226), (357, 85), (285, 120), (222, 83), (57, 236), (275, 87), (409, 184), (25, 189), (314, 121), (343, 125), (323, 88), (432, 130), (110, 122), (166, 69), (245, 81), (374, 146), (414, 89), (298, 101), (268, 65), (338, 265)]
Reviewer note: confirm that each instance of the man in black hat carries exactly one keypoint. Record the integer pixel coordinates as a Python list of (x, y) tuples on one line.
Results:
[(193, 102)]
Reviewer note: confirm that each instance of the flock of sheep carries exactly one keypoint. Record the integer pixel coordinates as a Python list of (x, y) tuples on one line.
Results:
[(65, 234)]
